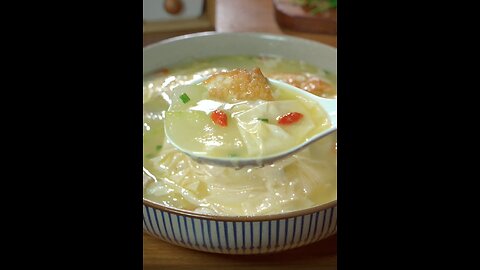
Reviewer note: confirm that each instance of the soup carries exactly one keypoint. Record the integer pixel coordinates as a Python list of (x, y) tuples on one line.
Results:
[(240, 114), (171, 178)]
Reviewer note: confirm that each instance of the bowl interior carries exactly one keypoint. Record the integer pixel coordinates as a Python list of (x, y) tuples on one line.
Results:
[(208, 44)]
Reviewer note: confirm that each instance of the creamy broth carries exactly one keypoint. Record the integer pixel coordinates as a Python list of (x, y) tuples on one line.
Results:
[(249, 128), (171, 178)]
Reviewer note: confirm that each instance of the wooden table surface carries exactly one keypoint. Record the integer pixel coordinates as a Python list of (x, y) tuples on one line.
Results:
[(245, 16)]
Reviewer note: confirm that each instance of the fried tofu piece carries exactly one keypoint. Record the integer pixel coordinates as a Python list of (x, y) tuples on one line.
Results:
[(238, 85), (310, 83)]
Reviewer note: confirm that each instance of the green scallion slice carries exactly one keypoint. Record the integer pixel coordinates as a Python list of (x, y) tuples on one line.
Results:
[(184, 97), (263, 119)]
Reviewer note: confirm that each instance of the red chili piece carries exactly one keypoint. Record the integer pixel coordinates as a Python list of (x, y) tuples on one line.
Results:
[(290, 118), (219, 118)]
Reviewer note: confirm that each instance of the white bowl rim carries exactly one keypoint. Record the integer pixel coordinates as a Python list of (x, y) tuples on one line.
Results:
[(192, 214), (246, 34)]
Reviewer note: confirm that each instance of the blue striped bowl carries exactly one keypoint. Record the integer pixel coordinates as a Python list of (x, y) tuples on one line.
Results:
[(238, 235)]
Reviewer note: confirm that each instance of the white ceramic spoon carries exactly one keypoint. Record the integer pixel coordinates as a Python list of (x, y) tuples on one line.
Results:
[(328, 105)]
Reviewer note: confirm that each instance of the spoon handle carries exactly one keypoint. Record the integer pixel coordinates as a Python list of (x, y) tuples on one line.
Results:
[(330, 106)]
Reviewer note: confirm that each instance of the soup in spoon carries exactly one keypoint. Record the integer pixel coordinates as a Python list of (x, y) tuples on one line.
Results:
[(240, 114)]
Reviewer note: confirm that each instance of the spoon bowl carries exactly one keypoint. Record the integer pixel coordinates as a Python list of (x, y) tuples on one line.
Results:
[(328, 105)]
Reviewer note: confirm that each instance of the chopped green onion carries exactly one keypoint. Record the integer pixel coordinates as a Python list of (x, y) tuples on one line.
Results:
[(184, 98), (158, 147), (150, 156), (233, 155), (263, 119)]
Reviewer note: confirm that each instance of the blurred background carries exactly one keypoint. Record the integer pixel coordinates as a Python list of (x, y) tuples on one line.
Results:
[(310, 19)]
